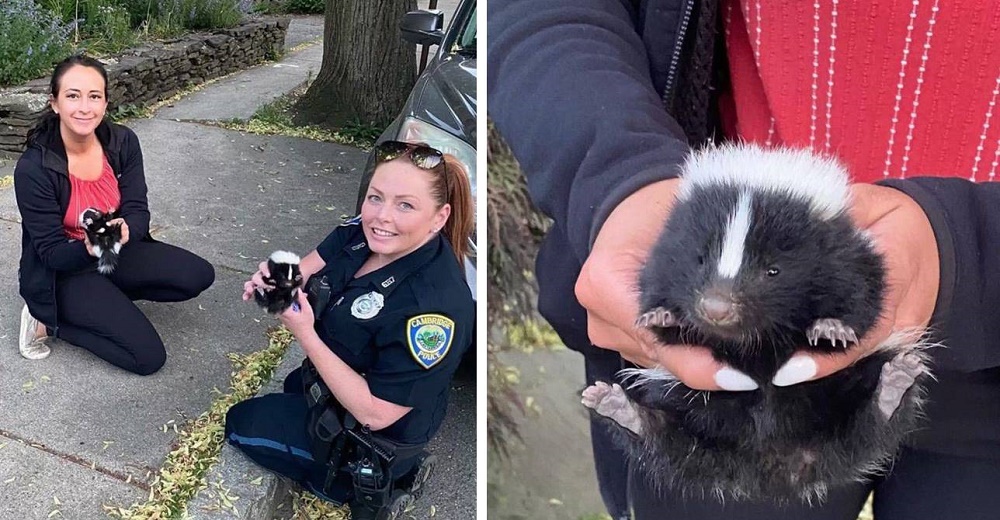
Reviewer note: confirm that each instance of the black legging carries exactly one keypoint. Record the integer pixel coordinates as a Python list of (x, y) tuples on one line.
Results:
[(96, 311)]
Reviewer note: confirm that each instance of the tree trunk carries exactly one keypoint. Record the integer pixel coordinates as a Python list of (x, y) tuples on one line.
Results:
[(367, 71)]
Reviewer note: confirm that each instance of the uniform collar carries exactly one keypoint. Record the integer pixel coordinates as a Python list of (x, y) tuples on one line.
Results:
[(387, 278)]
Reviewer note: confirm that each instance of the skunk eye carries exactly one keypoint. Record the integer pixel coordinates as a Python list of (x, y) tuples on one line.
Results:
[(773, 271)]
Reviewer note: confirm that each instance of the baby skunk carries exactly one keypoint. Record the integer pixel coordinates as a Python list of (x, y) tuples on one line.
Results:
[(286, 279), (758, 259), (106, 239)]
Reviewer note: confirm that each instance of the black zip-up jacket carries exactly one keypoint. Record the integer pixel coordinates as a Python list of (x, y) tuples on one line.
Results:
[(42, 187), (598, 98)]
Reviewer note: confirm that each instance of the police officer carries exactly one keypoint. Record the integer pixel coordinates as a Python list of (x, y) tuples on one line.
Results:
[(383, 347)]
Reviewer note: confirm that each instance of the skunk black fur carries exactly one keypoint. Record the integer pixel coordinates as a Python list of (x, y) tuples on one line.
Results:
[(105, 239), (757, 251), (286, 278)]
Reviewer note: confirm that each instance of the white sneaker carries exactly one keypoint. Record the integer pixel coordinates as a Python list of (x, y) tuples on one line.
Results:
[(31, 346)]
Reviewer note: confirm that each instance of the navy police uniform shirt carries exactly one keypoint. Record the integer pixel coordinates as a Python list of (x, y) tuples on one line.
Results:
[(404, 327)]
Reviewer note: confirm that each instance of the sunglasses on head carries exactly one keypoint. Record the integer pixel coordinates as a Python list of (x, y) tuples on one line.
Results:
[(422, 156)]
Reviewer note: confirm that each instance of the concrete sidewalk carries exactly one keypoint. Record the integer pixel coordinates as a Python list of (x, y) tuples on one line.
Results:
[(77, 433)]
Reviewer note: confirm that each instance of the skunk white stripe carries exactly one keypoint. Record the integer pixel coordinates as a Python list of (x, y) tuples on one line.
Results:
[(735, 238), (284, 257), (817, 180)]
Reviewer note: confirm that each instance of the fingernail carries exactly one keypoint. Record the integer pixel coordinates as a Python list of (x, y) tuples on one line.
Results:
[(795, 371), (734, 380)]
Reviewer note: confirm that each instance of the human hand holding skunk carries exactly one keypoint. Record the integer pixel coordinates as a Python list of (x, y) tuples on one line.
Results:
[(787, 273), (903, 236), (123, 226), (608, 289), (607, 286), (278, 289), (257, 282), (299, 318)]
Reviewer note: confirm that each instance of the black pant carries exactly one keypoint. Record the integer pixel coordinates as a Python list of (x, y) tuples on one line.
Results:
[(96, 311)]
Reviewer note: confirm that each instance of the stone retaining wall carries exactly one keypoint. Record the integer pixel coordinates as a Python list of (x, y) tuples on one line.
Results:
[(153, 72)]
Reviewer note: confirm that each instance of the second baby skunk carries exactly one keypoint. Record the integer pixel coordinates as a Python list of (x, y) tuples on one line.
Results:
[(759, 259), (286, 278), (105, 238)]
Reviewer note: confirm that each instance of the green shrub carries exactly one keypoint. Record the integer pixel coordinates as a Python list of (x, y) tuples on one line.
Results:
[(174, 16), (200, 14), (305, 6), (105, 26), (33, 40)]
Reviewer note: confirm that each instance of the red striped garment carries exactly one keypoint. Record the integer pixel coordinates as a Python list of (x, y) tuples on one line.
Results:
[(893, 88), (101, 194)]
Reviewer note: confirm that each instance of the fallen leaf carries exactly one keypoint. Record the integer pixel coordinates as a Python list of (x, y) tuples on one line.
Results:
[(555, 501)]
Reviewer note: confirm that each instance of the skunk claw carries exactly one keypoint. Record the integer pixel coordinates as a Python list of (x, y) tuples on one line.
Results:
[(658, 317), (833, 331)]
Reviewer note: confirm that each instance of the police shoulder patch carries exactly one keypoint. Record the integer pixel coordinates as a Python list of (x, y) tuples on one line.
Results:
[(429, 337)]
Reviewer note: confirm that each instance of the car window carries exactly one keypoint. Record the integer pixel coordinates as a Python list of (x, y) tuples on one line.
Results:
[(467, 40)]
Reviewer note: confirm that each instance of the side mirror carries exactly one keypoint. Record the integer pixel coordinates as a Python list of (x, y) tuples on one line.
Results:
[(423, 27)]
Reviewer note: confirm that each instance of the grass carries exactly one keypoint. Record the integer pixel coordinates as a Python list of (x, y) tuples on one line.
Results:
[(276, 118), (199, 442), (306, 506)]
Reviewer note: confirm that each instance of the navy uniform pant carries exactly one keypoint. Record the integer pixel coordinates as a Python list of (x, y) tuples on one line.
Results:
[(272, 431)]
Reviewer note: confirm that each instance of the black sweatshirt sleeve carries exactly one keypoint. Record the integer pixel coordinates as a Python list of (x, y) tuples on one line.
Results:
[(43, 218), (132, 185), (569, 88), (965, 217)]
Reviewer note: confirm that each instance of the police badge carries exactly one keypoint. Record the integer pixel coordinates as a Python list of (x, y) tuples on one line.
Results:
[(367, 306), (429, 336)]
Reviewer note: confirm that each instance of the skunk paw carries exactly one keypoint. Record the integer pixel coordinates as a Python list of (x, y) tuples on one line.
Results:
[(611, 402), (831, 330)]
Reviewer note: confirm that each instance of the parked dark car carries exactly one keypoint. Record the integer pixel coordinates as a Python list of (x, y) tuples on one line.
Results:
[(441, 108)]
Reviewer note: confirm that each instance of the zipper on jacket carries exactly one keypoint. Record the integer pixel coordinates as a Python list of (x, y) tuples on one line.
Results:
[(668, 87)]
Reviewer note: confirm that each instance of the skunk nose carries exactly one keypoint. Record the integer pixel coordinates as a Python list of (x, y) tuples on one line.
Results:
[(717, 308)]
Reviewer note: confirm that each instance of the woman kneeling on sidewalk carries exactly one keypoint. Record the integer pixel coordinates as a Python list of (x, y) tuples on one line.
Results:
[(388, 318), (75, 162)]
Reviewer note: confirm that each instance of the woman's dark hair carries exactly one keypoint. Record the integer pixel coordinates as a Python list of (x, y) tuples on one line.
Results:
[(50, 120)]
